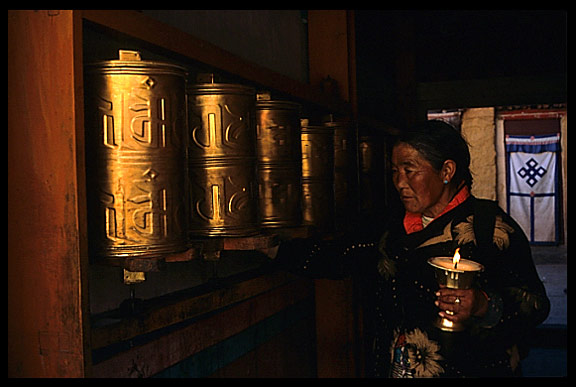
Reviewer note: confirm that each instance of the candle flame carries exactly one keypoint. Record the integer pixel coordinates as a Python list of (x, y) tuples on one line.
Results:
[(456, 258)]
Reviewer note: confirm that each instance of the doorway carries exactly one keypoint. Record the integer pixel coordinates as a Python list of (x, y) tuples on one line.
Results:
[(533, 162), (518, 158)]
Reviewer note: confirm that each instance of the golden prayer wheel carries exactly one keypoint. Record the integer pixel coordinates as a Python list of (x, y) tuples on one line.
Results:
[(223, 198), (278, 131), (222, 160), (317, 152), (372, 176), (280, 195), (136, 143), (318, 204), (317, 176), (345, 176), (279, 162)]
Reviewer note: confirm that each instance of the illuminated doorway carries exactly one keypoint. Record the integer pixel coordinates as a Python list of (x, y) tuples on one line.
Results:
[(528, 180)]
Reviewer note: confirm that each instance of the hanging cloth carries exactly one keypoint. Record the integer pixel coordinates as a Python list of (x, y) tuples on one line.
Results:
[(533, 186)]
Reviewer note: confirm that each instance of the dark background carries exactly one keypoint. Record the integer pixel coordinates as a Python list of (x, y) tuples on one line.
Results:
[(397, 51)]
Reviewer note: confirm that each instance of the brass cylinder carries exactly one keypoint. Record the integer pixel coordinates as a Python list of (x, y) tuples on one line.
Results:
[(280, 195), (278, 132), (279, 163), (222, 160), (318, 204), (318, 176), (135, 136), (223, 197), (345, 173), (317, 152), (221, 121), (372, 177)]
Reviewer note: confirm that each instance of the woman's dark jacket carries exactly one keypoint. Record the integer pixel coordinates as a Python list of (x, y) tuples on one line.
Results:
[(398, 286)]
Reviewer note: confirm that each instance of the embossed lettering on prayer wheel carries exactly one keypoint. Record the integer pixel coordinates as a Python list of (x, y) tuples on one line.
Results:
[(222, 160), (279, 163), (280, 195), (318, 176), (135, 136)]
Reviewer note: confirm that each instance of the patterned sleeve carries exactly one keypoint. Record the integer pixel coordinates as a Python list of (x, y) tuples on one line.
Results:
[(517, 297), (336, 258)]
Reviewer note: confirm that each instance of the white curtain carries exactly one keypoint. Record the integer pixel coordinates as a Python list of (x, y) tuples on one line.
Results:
[(533, 185)]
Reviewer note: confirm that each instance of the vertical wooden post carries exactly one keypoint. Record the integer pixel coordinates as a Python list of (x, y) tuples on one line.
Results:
[(332, 54), (46, 210), (336, 339), (331, 51)]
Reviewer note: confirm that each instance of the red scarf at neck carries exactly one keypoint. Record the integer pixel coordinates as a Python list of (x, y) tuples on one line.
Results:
[(413, 220)]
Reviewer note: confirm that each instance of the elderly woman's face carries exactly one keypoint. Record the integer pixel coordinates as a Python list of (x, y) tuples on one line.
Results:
[(420, 186)]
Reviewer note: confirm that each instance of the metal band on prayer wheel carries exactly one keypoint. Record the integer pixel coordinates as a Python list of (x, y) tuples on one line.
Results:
[(222, 160), (317, 176), (135, 136), (279, 163)]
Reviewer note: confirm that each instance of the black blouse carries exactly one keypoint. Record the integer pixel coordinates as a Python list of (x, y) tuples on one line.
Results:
[(397, 289)]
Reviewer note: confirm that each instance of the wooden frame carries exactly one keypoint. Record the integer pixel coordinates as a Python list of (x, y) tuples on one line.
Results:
[(49, 332), (47, 242), (200, 335), (146, 29)]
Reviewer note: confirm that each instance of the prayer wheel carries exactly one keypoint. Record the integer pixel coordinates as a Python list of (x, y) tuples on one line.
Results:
[(135, 147), (317, 176), (345, 173), (279, 162), (372, 177), (222, 160)]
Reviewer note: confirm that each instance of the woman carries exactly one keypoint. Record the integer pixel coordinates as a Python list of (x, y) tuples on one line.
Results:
[(430, 170)]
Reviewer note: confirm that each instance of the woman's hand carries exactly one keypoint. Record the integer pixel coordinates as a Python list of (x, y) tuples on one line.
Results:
[(458, 305)]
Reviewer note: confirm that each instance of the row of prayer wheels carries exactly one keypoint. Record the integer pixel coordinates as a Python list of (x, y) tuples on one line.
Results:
[(169, 162)]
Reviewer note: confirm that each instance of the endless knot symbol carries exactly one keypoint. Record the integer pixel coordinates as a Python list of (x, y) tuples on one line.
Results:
[(532, 173)]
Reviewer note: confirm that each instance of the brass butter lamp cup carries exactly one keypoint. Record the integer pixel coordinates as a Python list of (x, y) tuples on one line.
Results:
[(454, 274)]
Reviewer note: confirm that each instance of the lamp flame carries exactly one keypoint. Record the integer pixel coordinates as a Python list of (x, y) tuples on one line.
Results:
[(456, 258)]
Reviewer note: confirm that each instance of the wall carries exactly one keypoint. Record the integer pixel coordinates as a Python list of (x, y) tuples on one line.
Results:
[(275, 39), (564, 156), (479, 131)]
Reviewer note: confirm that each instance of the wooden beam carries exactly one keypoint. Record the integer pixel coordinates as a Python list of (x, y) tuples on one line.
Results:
[(336, 329), (149, 30), (331, 55), (172, 310), (521, 90), (155, 356), (283, 347), (47, 306)]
